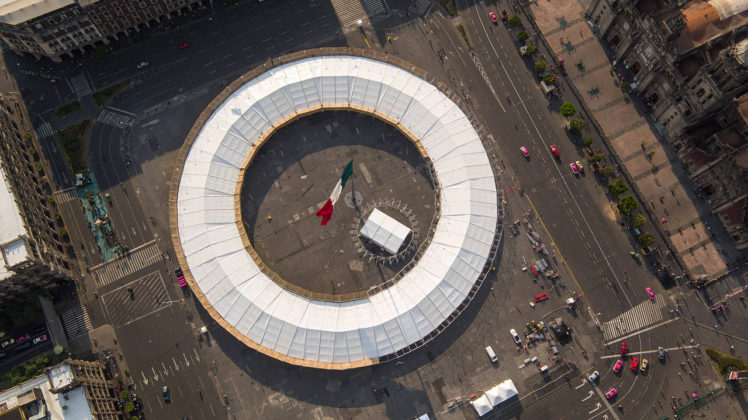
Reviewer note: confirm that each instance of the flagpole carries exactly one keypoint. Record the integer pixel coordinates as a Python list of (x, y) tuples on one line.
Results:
[(353, 196)]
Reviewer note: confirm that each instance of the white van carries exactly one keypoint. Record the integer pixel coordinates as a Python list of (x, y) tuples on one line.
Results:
[(491, 354)]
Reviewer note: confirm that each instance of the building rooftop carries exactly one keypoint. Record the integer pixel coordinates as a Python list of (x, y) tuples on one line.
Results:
[(707, 20), (14, 12), (13, 245), (28, 396)]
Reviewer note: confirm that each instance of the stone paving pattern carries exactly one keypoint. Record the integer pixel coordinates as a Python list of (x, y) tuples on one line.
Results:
[(626, 129)]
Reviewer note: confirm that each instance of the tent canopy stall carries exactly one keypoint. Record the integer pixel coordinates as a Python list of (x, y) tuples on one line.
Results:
[(385, 231)]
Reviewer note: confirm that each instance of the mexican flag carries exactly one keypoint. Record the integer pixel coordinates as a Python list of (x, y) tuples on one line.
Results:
[(326, 211)]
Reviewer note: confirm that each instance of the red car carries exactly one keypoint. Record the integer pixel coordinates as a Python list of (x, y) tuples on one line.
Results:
[(634, 364), (611, 393), (618, 366), (492, 15), (554, 150), (624, 348), (650, 293), (541, 297), (184, 45), (524, 151)]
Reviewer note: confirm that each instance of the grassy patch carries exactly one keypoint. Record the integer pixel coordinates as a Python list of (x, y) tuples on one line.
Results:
[(449, 6), (67, 109), (724, 362), (104, 95), (463, 33), (73, 141)]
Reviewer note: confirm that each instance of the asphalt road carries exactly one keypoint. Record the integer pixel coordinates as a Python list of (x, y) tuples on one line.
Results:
[(572, 213)]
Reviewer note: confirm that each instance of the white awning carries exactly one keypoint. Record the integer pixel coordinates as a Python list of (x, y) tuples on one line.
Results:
[(501, 392), (482, 405), (385, 231)]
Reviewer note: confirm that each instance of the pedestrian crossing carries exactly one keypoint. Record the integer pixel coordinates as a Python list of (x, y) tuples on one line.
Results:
[(44, 130), (148, 296), (115, 119), (65, 196), (76, 322), (636, 318), (350, 11), (125, 265), (80, 85)]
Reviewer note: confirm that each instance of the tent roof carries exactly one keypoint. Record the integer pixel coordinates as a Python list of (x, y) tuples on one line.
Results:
[(280, 321), (385, 231)]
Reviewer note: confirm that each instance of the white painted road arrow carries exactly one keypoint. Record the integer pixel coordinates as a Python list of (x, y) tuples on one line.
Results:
[(583, 384), (145, 381), (597, 407), (589, 395)]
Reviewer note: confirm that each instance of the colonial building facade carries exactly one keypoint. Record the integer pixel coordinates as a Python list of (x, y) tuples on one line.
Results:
[(34, 251), (55, 28), (688, 61)]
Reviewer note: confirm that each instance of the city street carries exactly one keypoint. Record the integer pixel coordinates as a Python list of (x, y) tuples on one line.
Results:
[(131, 151)]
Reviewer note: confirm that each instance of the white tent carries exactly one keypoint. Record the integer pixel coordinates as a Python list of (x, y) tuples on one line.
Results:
[(385, 231), (501, 392), (305, 331), (482, 405)]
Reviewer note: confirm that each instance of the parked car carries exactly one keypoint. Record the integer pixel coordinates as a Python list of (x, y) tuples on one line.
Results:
[(611, 393), (661, 351), (23, 338), (650, 293), (618, 366), (580, 166), (524, 151), (594, 377), (624, 348), (3, 354), (635, 364), (645, 365), (21, 347), (574, 168), (184, 45), (492, 15), (515, 336), (491, 354), (142, 64), (165, 392), (7, 343), (40, 339)]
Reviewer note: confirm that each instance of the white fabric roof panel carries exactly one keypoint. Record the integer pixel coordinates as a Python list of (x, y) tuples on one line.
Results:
[(329, 332)]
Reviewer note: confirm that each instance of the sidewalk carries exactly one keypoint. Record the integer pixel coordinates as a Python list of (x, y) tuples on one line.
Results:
[(661, 184)]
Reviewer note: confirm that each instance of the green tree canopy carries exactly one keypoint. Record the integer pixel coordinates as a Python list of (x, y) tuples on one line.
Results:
[(568, 109), (627, 205), (514, 21), (638, 221), (522, 35), (606, 171), (576, 125), (540, 66), (646, 239)]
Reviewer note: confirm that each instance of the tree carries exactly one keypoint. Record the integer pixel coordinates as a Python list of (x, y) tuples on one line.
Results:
[(638, 221), (514, 21), (124, 395), (550, 79), (627, 205), (587, 141), (540, 66), (522, 35), (646, 239), (532, 50), (64, 233), (129, 407), (568, 109), (617, 187), (606, 171), (597, 157), (576, 125)]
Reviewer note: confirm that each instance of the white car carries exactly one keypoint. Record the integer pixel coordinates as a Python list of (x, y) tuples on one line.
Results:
[(594, 377), (142, 64), (515, 336)]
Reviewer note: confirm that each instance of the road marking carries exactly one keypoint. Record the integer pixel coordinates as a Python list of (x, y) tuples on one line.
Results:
[(145, 380), (225, 57), (597, 407), (201, 51), (642, 331), (265, 40), (207, 64), (590, 395), (155, 375), (583, 384), (616, 356), (175, 364), (186, 361), (196, 356)]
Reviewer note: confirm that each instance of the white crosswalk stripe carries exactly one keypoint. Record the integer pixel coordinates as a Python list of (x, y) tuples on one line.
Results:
[(80, 85), (350, 11), (115, 119), (65, 196), (76, 322), (636, 318), (125, 265), (44, 130), (149, 296)]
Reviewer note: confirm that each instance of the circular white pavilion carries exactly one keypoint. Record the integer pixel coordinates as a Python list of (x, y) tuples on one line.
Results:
[(267, 313)]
